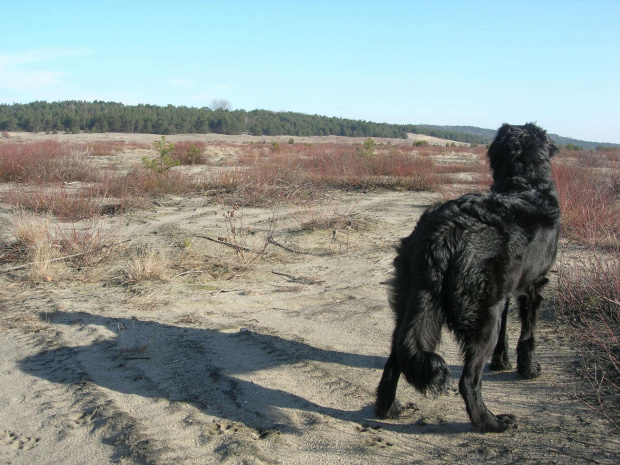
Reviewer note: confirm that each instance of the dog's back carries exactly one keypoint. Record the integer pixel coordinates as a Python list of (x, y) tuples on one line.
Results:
[(481, 246)]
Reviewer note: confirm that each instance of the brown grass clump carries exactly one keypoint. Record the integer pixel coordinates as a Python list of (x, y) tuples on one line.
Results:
[(52, 250), (66, 204), (146, 265), (35, 234), (141, 182)]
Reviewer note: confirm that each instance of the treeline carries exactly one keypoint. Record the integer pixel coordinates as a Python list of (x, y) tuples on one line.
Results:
[(98, 116)]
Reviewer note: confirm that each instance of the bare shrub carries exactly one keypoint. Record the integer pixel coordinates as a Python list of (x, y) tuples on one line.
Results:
[(589, 203), (268, 175), (46, 161), (189, 153), (140, 182), (320, 215), (66, 204), (588, 302), (248, 243)]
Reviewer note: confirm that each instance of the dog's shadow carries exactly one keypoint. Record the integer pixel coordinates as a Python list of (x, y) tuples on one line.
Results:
[(207, 368)]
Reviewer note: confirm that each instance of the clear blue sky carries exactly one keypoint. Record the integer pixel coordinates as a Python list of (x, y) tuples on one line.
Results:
[(476, 63)]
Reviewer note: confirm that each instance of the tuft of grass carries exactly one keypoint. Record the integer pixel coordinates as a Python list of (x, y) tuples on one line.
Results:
[(78, 246), (146, 265), (35, 235)]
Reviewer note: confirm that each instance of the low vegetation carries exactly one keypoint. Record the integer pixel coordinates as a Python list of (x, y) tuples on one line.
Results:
[(587, 299)]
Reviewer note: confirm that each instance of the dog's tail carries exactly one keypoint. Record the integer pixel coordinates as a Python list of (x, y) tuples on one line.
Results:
[(424, 369), (419, 323)]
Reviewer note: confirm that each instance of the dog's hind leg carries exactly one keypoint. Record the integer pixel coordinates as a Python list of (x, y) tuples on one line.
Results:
[(386, 406), (477, 348), (500, 360), (529, 308)]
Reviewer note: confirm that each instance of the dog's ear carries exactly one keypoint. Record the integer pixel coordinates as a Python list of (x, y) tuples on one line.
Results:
[(553, 149), (543, 137)]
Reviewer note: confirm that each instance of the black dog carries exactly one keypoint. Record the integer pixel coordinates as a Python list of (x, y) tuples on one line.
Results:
[(463, 262)]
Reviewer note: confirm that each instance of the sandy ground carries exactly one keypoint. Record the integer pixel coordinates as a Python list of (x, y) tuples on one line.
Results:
[(272, 362), (213, 138)]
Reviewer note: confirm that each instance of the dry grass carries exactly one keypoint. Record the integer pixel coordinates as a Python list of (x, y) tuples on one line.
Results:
[(141, 182), (53, 250), (36, 235), (65, 204), (315, 214), (146, 265)]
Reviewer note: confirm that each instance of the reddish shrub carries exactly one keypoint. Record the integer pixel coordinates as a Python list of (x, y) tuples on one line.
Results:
[(589, 203), (47, 161)]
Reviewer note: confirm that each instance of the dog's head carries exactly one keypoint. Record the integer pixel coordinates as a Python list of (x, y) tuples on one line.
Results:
[(521, 151)]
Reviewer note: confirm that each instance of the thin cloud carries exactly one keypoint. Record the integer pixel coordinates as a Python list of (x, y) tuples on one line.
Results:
[(24, 70), (23, 57), (29, 79)]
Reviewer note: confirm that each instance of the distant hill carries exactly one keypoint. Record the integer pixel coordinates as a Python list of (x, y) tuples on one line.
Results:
[(99, 116), (487, 135)]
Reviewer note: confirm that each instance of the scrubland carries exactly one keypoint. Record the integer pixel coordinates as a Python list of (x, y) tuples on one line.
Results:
[(225, 301)]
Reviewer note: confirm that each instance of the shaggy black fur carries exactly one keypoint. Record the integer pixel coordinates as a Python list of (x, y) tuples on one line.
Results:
[(461, 265)]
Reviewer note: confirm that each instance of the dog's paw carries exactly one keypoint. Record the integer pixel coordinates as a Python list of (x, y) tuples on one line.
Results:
[(500, 363), (530, 372), (393, 411), (498, 424)]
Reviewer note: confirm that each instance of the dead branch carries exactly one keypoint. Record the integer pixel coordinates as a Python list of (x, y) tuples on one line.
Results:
[(271, 240), (227, 244), (298, 279)]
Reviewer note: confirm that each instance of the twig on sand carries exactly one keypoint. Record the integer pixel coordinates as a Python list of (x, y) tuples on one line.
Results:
[(298, 279), (227, 244), (66, 257), (271, 240)]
